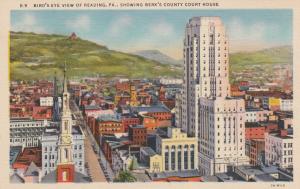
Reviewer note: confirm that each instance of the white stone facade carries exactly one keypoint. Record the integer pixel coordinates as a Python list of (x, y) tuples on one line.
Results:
[(279, 150), (222, 134), (178, 151), (208, 112), (50, 151), (205, 67), (48, 101), (178, 110), (167, 81), (257, 115), (26, 132), (286, 104)]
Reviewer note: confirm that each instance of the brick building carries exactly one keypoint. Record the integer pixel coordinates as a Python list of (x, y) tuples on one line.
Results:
[(257, 150), (254, 131), (138, 134)]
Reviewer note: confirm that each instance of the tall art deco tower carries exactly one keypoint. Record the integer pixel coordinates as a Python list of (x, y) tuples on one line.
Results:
[(208, 111), (65, 165)]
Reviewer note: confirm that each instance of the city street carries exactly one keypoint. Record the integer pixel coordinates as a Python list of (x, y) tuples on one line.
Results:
[(97, 165)]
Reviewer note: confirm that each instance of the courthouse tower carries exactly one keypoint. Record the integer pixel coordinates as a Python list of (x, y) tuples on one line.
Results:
[(208, 111)]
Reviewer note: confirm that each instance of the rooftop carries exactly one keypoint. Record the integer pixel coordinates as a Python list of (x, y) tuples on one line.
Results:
[(151, 109), (182, 174), (91, 107), (229, 177), (30, 154), (109, 117), (13, 153), (148, 151), (137, 126), (53, 131), (252, 124), (78, 178)]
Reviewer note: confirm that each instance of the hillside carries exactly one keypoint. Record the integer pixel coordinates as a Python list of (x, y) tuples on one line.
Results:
[(158, 56), (271, 56), (260, 66), (38, 56)]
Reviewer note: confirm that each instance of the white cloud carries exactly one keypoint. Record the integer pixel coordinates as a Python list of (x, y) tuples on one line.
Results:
[(80, 23), (161, 28), (28, 23), (247, 37), (119, 25)]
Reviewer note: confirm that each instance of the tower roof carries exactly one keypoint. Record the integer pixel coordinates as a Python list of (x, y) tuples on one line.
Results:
[(205, 20)]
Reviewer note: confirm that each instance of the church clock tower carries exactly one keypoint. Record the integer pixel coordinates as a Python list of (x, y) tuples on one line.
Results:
[(65, 165)]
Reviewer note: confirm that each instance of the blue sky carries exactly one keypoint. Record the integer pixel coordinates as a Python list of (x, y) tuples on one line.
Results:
[(132, 30)]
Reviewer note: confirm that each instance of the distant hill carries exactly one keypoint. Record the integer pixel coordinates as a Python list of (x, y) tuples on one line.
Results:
[(38, 56), (158, 56), (275, 55)]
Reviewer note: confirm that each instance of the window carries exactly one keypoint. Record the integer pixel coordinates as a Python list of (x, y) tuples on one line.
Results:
[(64, 176), (179, 157), (192, 156), (167, 158), (173, 158), (185, 156), (66, 154)]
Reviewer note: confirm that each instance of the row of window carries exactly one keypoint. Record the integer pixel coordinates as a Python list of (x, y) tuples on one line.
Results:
[(26, 124), (23, 139), (54, 164), (75, 147)]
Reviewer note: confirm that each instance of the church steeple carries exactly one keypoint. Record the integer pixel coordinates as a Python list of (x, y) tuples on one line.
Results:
[(65, 166), (65, 78), (66, 94), (55, 108)]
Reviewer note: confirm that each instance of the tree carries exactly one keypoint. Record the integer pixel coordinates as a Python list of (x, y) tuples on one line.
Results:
[(125, 176)]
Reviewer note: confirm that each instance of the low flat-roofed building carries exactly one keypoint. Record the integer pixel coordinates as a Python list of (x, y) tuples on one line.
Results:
[(176, 176), (175, 151), (250, 173), (229, 177)]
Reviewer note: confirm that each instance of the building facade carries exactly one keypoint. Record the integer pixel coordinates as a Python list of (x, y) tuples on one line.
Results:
[(178, 109), (286, 104), (208, 111), (46, 101), (205, 67), (50, 149), (175, 152), (138, 135), (222, 135), (26, 132), (256, 115), (279, 149)]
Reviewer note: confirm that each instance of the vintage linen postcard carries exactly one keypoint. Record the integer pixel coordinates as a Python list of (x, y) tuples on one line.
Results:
[(136, 93)]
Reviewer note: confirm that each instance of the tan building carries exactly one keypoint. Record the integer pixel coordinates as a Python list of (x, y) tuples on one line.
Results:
[(175, 152)]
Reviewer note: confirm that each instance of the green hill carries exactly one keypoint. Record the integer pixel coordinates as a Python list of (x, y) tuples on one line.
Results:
[(38, 56), (271, 56)]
